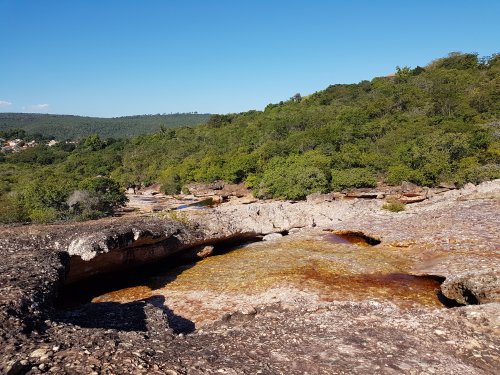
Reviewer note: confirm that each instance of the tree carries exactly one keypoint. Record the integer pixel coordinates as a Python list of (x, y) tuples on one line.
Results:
[(402, 74), (295, 177), (100, 195)]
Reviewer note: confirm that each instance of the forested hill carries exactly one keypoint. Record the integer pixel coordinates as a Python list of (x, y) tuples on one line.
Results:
[(427, 125), (76, 127)]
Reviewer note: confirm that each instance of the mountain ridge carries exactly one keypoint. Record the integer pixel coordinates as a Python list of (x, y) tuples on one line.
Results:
[(76, 127)]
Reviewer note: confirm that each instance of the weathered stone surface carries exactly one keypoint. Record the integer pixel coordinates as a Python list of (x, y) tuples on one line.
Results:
[(272, 237), (410, 188), (218, 188), (453, 235), (205, 251), (412, 199), (473, 287), (320, 197), (365, 194), (449, 186)]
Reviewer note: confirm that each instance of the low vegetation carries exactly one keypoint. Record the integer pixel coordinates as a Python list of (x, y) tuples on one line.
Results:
[(426, 125), (394, 205)]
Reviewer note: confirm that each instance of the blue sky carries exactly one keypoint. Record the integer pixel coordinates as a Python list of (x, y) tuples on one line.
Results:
[(122, 57)]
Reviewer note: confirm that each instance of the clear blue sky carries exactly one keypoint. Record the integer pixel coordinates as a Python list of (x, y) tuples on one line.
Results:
[(121, 57)]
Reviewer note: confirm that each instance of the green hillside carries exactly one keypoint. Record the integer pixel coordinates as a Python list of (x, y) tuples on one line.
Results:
[(427, 125), (76, 127)]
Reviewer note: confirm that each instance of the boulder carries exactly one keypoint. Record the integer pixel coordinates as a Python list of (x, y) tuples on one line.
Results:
[(446, 185), (410, 188), (205, 251), (473, 288)]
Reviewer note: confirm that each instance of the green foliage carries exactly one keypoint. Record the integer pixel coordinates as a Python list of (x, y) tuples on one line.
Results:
[(471, 170), (424, 125), (39, 155), (459, 61), (216, 121), (103, 196), (75, 127), (44, 215), (239, 167), (294, 177), (170, 182), (45, 201), (352, 178), (12, 209), (399, 173), (13, 133), (404, 73), (93, 143), (394, 205)]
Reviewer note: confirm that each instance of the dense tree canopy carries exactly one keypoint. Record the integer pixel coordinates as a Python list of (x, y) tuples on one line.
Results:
[(432, 124), (63, 127)]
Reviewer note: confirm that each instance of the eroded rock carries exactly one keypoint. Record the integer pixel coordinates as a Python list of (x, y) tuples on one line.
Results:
[(472, 288), (452, 235)]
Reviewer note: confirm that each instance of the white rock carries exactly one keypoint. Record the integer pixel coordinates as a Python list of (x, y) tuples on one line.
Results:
[(272, 237)]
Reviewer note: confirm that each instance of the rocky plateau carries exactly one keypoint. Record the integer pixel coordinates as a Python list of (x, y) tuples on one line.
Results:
[(339, 286)]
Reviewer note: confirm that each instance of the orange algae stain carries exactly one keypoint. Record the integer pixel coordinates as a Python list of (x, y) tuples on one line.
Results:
[(403, 289), (333, 271), (126, 295)]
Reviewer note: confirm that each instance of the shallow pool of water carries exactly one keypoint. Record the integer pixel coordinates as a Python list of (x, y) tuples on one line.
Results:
[(294, 270)]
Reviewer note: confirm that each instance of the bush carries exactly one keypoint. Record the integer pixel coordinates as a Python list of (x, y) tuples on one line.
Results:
[(352, 178), (399, 173), (99, 196), (44, 215), (238, 167), (470, 170), (45, 200), (170, 182), (12, 209), (294, 177), (394, 205)]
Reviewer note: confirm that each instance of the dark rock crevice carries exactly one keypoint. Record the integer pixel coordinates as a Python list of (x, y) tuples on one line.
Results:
[(353, 237), (473, 288), (125, 267)]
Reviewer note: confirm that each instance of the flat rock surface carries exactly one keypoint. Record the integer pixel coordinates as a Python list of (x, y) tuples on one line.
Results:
[(453, 235)]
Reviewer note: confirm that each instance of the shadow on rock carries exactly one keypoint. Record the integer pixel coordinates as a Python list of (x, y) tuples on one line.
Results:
[(147, 315)]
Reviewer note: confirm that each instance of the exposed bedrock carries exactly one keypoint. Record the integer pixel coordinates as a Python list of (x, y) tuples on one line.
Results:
[(132, 243), (141, 242), (123, 244), (473, 287), (452, 235)]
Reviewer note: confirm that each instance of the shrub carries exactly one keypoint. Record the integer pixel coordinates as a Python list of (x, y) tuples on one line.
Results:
[(12, 209), (99, 196), (238, 167), (294, 177), (170, 182), (470, 170), (399, 173), (394, 205), (352, 178), (43, 199), (44, 215)]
